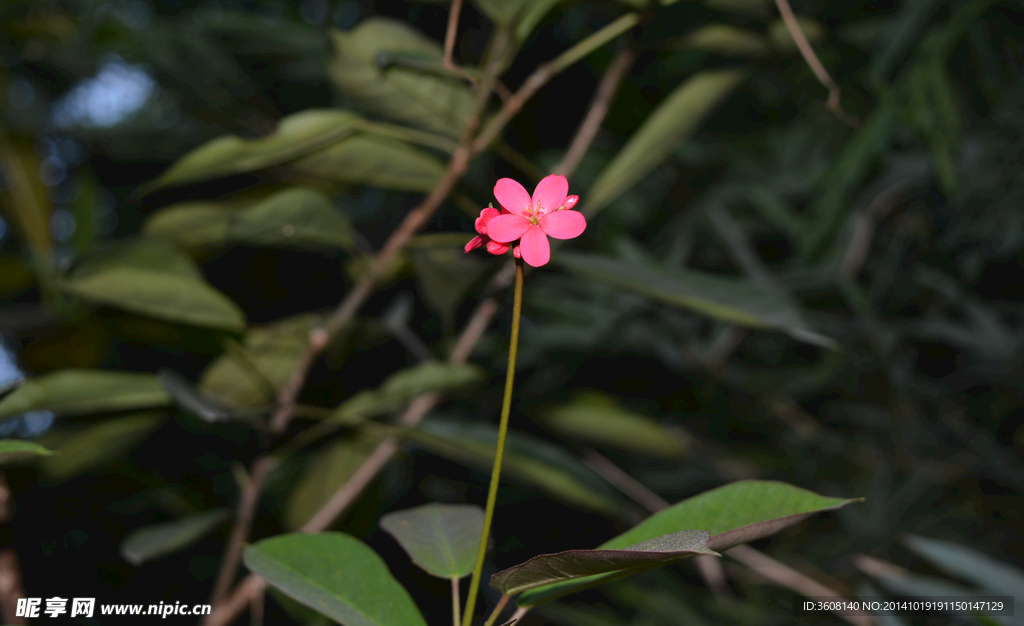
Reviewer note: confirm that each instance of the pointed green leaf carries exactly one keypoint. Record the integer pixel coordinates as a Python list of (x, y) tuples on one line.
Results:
[(992, 575), (733, 514), (291, 217), (14, 450), (369, 159), (296, 135), (330, 468), (75, 391), (595, 418), (155, 279), (733, 300), (548, 569), (81, 448), (401, 387), (673, 122), (157, 540), (728, 41), (337, 575), (359, 71), (527, 460), (440, 538)]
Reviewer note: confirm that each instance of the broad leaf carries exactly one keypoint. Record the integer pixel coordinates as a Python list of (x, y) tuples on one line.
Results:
[(733, 300), (527, 460), (154, 279), (293, 217), (14, 450), (367, 159), (547, 569), (661, 134), (157, 540), (248, 377), (441, 538), (74, 391), (295, 136), (362, 70), (83, 447), (337, 575), (733, 514), (401, 387), (595, 418), (330, 468)]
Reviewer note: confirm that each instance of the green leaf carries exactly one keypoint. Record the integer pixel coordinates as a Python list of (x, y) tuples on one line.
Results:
[(337, 575), (81, 448), (500, 11), (728, 41), (441, 538), (733, 300), (154, 279), (296, 135), (778, 33), (990, 574), (527, 460), (733, 514), (403, 386), (330, 468), (594, 417), (548, 569), (267, 359), (157, 540), (74, 391), (444, 272), (291, 217), (368, 159), (673, 122), (360, 72), (14, 450)]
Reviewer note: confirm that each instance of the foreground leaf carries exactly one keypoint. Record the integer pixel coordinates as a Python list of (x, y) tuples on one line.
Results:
[(74, 391), (154, 541), (337, 575), (731, 300), (82, 448), (734, 514), (440, 538), (14, 450), (609, 564)]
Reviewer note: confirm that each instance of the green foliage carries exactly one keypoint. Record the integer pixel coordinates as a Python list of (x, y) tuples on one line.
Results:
[(152, 542), (84, 391), (14, 450), (440, 538)]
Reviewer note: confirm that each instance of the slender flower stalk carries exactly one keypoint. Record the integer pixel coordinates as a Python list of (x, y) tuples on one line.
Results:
[(506, 409)]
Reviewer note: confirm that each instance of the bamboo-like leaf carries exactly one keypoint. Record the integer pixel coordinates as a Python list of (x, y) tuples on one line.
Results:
[(14, 450), (404, 385), (75, 391), (157, 540)]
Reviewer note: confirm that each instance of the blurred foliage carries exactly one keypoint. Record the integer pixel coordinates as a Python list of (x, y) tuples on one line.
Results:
[(187, 188)]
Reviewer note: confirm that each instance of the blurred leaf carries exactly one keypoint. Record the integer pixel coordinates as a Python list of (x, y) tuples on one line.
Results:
[(15, 276), (27, 200), (337, 575), (444, 272), (729, 299), (271, 350), (403, 386), (990, 574), (292, 217), (186, 396), (73, 391), (782, 40), (155, 279), (499, 11), (296, 135), (758, 8), (82, 448), (329, 470), (595, 417), (361, 71), (367, 159), (608, 564), (728, 41), (14, 450), (440, 538), (527, 460), (673, 122), (154, 541), (736, 513)]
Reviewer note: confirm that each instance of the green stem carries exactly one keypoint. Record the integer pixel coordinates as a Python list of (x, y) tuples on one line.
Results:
[(455, 602), (506, 408)]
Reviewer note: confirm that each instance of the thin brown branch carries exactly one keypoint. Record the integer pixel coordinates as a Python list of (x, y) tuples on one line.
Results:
[(807, 52), (864, 227)]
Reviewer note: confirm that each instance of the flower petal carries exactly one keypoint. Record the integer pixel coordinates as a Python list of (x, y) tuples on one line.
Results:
[(489, 214), (535, 247), (550, 193), (512, 196), (506, 228), (474, 243), (563, 224), (497, 248)]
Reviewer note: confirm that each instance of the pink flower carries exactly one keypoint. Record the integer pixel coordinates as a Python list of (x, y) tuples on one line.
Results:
[(532, 220), (482, 239)]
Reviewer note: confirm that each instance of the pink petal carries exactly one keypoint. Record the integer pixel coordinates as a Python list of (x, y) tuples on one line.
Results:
[(563, 224), (474, 243), (550, 193), (571, 201), (512, 196), (535, 247), (497, 248), (506, 228), (489, 214)]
